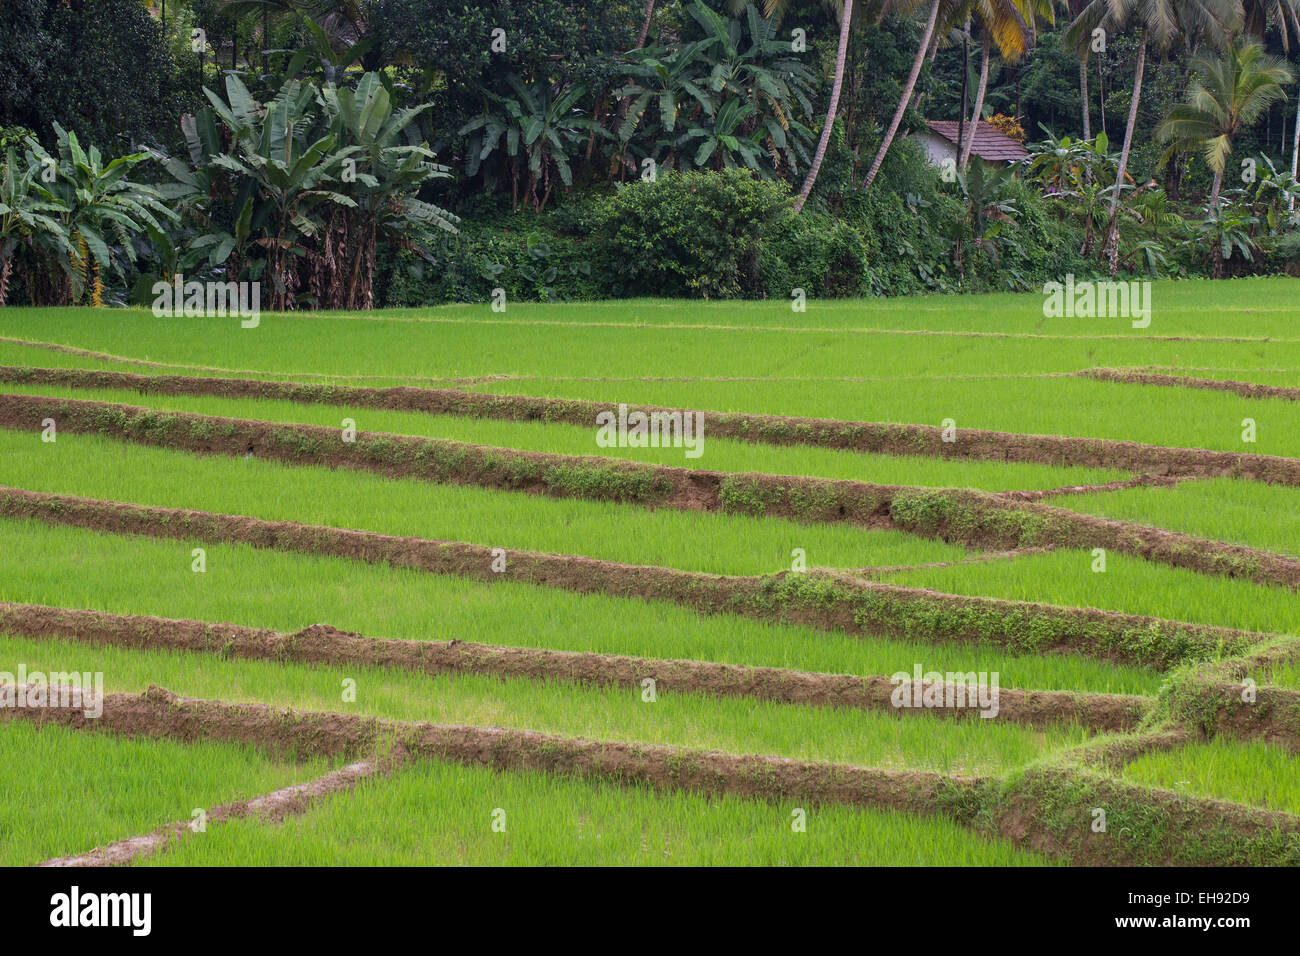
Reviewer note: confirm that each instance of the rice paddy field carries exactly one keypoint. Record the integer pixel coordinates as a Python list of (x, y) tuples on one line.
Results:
[(381, 589)]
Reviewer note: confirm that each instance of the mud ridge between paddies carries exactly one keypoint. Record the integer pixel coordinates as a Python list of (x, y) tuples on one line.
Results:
[(1048, 809), (979, 519), (828, 601), (322, 644), (873, 437), (1223, 698), (274, 807), (1143, 377)]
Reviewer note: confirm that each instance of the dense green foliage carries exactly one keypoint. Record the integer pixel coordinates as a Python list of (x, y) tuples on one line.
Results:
[(584, 163)]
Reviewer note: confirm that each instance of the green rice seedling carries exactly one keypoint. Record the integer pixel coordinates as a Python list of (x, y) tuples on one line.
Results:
[(443, 814), (736, 725), (1248, 513), (96, 467), (69, 791), (1255, 774), (1130, 585), (720, 454), (981, 364), (72, 567)]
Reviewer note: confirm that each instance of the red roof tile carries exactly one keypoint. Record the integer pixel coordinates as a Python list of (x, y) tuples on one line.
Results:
[(990, 144)]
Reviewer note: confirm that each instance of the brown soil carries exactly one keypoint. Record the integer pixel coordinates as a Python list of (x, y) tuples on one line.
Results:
[(269, 808), (879, 571), (832, 602), (874, 437), (976, 519), (321, 644), (1143, 377), (1141, 481)]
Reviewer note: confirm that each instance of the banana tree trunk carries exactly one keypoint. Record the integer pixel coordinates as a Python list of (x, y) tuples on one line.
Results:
[(846, 15), (6, 267), (1111, 248), (1083, 98), (906, 98), (979, 101)]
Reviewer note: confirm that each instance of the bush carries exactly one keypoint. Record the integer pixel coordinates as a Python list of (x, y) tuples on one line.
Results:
[(693, 234)]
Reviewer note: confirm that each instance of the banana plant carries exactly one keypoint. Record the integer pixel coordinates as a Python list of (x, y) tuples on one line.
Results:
[(100, 205), (723, 142), (750, 64), (27, 217), (538, 129), (383, 179), (258, 196)]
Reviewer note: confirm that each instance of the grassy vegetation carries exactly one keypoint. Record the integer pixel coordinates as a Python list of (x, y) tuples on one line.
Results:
[(736, 725), (1242, 512), (67, 791), (801, 361), (97, 467), (435, 813), (71, 567), (988, 361), (720, 454), (1255, 774), (1128, 584)]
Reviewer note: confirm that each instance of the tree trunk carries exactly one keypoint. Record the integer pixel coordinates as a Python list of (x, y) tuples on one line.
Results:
[(907, 95), (979, 100), (1101, 95), (6, 266), (1295, 154), (1083, 97), (841, 53), (645, 25), (1111, 248), (965, 92), (1217, 251)]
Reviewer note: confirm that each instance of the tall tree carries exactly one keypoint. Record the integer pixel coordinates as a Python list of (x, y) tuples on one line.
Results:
[(1010, 24), (1285, 15), (1226, 94), (1158, 23), (875, 8), (927, 34)]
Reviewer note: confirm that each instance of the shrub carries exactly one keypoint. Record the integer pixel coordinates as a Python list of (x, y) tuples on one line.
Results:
[(693, 234)]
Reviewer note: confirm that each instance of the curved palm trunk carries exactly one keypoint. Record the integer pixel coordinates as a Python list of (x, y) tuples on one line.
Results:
[(906, 98), (840, 54), (645, 25), (979, 101), (1111, 248)]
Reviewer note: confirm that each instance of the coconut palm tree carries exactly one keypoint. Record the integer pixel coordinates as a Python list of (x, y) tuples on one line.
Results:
[(1285, 15), (1227, 94), (1010, 24), (1158, 23), (872, 11), (933, 19)]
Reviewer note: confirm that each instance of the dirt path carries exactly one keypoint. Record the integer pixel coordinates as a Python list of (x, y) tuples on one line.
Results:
[(831, 602), (1144, 377), (321, 644), (272, 807)]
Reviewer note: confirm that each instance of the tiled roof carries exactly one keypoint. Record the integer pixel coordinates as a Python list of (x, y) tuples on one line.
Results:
[(990, 144)]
